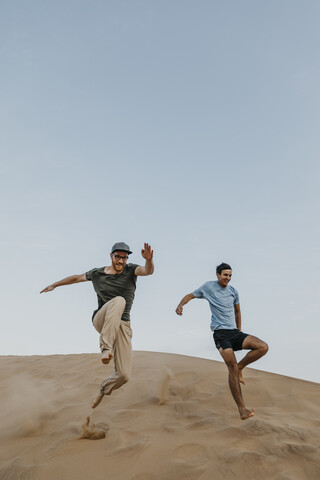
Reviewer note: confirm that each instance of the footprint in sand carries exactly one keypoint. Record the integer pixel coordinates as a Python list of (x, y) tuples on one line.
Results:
[(193, 453), (89, 431)]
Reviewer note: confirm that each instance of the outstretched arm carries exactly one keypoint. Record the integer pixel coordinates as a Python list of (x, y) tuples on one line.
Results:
[(148, 268), (186, 299), (66, 281)]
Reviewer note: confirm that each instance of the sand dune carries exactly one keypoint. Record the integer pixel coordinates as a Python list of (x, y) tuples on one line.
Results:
[(174, 420)]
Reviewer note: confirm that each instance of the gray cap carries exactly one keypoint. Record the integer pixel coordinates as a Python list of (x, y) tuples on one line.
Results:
[(121, 246)]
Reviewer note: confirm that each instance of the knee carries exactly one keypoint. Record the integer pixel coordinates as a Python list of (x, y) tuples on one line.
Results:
[(120, 302), (232, 367), (264, 348), (124, 378)]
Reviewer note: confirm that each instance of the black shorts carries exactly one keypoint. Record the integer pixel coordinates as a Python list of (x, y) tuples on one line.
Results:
[(229, 339)]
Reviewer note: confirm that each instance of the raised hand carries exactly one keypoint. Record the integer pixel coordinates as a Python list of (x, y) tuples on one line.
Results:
[(146, 252)]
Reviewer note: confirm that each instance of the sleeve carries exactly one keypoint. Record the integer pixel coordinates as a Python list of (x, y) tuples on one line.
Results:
[(236, 297), (89, 274), (199, 293), (133, 267)]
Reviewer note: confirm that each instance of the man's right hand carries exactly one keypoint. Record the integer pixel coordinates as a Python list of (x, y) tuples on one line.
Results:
[(186, 299), (48, 289)]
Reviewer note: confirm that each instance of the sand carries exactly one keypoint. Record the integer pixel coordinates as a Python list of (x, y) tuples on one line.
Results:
[(174, 420)]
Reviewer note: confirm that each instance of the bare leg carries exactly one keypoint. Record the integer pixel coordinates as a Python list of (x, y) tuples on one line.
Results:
[(241, 379), (257, 347), (234, 384)]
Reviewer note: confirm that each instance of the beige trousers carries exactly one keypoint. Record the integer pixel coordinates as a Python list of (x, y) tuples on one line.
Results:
[(115, 336)]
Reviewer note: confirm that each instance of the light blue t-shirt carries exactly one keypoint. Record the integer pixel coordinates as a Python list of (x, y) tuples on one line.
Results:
[(222, 302)]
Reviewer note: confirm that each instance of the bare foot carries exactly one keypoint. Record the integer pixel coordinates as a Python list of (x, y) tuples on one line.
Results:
[(241, 379), (106, 357), (97, 399), (244, 414)]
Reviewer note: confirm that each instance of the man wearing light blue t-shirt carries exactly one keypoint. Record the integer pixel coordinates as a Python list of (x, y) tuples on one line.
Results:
[(226, 327)]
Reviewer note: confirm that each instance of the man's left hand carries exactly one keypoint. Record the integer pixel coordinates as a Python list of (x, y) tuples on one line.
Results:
[(146, 252)]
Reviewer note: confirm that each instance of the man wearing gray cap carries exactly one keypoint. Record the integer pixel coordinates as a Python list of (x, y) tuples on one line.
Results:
[(115, 286)]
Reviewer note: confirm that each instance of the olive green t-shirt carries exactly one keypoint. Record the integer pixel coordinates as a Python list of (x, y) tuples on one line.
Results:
[(109, 285)]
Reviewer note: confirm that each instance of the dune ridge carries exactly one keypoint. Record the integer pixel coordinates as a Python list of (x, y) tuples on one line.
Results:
[(174, 420)]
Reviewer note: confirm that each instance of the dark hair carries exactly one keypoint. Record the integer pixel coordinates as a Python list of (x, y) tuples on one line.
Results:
[(222, 266)]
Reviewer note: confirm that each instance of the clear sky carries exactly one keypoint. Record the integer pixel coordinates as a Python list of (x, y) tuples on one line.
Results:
[(192, 125)]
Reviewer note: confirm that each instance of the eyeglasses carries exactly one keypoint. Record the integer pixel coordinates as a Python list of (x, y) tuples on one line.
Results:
[(118, 257)]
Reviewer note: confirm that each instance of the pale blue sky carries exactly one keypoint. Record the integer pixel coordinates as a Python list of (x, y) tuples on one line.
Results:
[(193, 125)]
